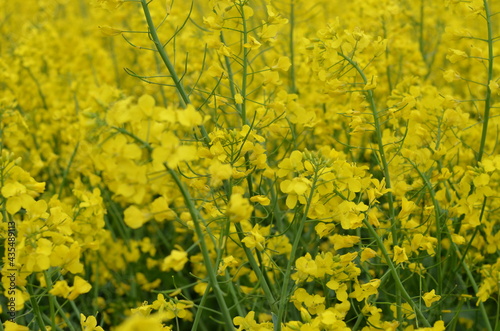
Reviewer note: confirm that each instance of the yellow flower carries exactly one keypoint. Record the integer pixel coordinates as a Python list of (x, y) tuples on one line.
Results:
[(340, 290), (219, 172), (80, 286), (269, 32), (89, 323), (274, 17), (252, 43), (451, 75), (489, 285), (109, 31), (306, 268), (295, 189), (363, 291), (146, 104), (11, 326), (238, 98), (430, 297), (134, 217), (228, 261), (438, 326), (399, 255), (189, 117), (340, 241), (213, 22), (494, 87), (261, 199), (176, 261), (282, 63), (314, 303), (151, 322), (407, 207), (67, 257), (367, 254), (332, 319), (254, 239), (239, 208), (246, 323), (293, 163), (61, 288), (372, 84), (455, 55)]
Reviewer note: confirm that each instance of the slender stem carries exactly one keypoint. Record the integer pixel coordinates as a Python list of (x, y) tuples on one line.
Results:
[(66, 171), (163, 54), (395, 274), (230, 75), (487, 102), (199, 310), (255, 267), (48, 281), (421, 32), (293, 87), (35, 307), (166, 60), (298, 235), (385, 169), (455, 247), (228, 322), (245, 69)]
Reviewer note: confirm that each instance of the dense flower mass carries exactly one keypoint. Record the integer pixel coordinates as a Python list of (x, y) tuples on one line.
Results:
[(249, 165)]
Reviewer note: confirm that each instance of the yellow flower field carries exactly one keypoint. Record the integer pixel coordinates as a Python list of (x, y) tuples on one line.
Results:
[(250, 165)]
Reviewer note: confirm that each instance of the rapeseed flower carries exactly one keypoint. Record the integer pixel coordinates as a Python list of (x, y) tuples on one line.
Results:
[(430, 297)]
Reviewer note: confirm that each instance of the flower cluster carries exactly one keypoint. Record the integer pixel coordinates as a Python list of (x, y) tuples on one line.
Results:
[(293, 165)]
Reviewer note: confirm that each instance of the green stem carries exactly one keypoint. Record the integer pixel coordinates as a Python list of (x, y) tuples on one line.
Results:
[(245, 69), (255, 267), (298, 235), (381, 150), (66, 171), (35, 307), (166, 60), (487, 102), (48, 281), (455, 247), (385, 169), (199, 310), (293, 87), (439, 228), (228, 322), (230, 75), (486, 318), (395, 274)]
